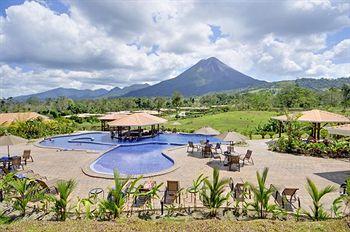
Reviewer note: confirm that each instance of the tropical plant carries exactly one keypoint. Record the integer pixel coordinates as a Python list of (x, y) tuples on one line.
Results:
[(297, 214), (133, 189), (153, 193), (4, 219), (262, 195), (25, 191), (64, 189), (317, 210), (212, 194), (195, 188), (5, 185), (84, 205), (336, 207), (346, 196), (112, 207)]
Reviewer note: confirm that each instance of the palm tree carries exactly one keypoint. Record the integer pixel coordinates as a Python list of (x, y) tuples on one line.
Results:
[(212, 194), (115, 204), (64, 189), (25, 192), (195, 188), (317, 211), (262, 194)]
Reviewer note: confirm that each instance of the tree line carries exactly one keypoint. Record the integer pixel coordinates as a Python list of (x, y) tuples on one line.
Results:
[(286, 97)]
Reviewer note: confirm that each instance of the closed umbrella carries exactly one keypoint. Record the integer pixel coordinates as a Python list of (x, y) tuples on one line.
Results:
[(8, 140), (207, 131), (232, 137)]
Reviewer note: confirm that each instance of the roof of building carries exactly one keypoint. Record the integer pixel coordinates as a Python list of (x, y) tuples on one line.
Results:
[(8, 118)]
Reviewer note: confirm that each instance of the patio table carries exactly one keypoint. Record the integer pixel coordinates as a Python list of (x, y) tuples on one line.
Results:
[(6, 161)]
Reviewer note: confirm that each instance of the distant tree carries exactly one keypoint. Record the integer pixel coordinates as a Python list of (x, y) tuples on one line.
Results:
[(346, 95), (176, 100), (159, 101)]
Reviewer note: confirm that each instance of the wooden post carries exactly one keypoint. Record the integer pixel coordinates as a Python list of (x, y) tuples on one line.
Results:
[(279, 129)]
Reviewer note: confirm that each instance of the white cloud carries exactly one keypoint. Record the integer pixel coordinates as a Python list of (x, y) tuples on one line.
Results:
[(91, 45)]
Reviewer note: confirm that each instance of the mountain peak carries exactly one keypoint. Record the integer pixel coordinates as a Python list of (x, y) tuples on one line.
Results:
[(208, 75)]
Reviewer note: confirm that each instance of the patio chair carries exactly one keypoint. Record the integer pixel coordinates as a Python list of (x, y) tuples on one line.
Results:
[(191, 146), (171, 194), (215, 156), (288, 195), (206, 151), (16, 163), (142, 199), (218, 147), (230, 149), (26, 156), (233, 161), (248, 157), (239, 191)]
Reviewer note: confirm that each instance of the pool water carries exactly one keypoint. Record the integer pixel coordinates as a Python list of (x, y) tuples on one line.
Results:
[(134, 160), (143, 156)]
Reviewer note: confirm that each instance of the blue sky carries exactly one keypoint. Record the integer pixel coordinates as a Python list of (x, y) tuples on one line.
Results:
[(103, 44)]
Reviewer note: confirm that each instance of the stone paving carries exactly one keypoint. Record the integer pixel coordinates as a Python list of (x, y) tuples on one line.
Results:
[(284, 169)]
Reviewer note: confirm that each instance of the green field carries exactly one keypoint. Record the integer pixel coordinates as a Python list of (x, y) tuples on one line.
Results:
[(177, 225), (240, 121)]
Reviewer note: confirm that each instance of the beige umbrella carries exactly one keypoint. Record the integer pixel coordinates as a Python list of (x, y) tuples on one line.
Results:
[(232, 137), (7, 140), (176, 124), (207, 131)]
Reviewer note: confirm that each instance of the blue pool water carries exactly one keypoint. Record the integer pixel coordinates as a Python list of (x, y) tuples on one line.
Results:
[(143, 156), (134, 160)]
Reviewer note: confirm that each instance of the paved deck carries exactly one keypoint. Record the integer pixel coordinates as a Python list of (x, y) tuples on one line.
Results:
[(285, 169)]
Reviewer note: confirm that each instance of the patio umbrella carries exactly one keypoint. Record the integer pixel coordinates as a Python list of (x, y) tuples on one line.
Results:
[(343, 130), (207, 131), (232, 137), (8, 139)]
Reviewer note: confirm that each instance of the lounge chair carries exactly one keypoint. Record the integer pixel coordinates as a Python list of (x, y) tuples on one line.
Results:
[(191, 146), (287, 194), (248, 157), (206, 151), (171, 194), (49, 186), (23, 173), (218, 147), (26, 156), (233, 161)]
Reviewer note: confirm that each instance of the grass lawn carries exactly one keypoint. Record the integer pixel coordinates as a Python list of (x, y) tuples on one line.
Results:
[(239, 121), (178, 225)]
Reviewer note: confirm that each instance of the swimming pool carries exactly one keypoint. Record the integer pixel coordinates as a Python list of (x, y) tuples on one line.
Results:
[(143, 156), (134, 160)]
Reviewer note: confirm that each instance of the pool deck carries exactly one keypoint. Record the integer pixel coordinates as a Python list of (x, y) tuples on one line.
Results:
[(284, 169)]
